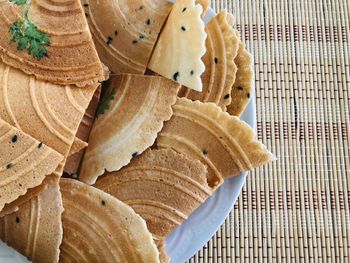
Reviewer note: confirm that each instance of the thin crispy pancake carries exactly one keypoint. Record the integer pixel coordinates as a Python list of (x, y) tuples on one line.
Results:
[(181, 45), (162, 186), (227, 145), (125, 31), (242, 88), (24, 163), (50, 113), (71, 55), (220, 70), (109, 231), (35, 230), (129, 119)]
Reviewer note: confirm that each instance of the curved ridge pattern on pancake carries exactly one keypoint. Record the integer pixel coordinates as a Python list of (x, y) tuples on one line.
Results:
[(162, 186), (136, 114), (125, 32), (220, 70), (24, 163), (72, 58), (35, 230), (109, 232), (224, 143), (181, 46), (242, 88), (48, 112)]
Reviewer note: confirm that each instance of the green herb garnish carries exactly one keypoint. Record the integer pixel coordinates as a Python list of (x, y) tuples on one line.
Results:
[(19, 2), (27, 35), (104, 106)]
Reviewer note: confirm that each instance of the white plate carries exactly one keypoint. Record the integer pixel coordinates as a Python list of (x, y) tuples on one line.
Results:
[(193, 234)]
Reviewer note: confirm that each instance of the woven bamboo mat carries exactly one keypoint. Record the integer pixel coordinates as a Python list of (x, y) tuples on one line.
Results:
[(296, 209)]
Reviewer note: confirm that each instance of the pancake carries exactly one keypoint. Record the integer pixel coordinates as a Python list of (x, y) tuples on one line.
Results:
[(130, 116), (162, 186), (24, 163), (109, 232), (181, 45), (227, 145), (57, 47), (35, 230)]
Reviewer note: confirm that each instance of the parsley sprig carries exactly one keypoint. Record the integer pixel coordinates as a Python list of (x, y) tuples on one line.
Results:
[(27, 35)]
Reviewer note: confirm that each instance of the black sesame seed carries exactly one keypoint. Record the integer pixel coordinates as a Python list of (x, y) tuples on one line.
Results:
[(20, 185), (141, 7), (248, 95), (109, 40), (176, 76), (240, 88), (116, 32), (103, 202), (18, 219), (183, 28), (216, 60), (227, 96), (192, 72), (183, 10), (40, 145), (9, 165), (14, 138), (134, 41), (148, 22), (205, 151), (135, 154), (86, 5), (86, 14), (142, 36)]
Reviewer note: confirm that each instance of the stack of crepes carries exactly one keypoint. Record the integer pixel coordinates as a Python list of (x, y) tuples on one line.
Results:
[(150, 138)]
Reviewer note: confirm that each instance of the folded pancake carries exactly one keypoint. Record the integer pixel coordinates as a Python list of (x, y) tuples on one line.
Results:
[(162, 186), (227, 145), (130, 117), (125, 31), (110, 231), (181, 45), (24, 163), (51, 40), (35, 230), (220, 70), (243, 86), (48, 112), (74, 159)]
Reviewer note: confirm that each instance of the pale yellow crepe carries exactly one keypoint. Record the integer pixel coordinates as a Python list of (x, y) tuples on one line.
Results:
[(181, 45)]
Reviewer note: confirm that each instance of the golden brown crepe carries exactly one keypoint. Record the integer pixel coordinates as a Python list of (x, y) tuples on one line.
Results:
[(50, 113), (71, 55), (243, 86), (130, 117), (24, 163), (181, 45), (125, 31), (35, 230), (162, 186), (100, 228), (227, 145), (220, 70)]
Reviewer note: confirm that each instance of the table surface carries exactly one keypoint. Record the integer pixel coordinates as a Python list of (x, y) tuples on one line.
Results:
[(295, 209)]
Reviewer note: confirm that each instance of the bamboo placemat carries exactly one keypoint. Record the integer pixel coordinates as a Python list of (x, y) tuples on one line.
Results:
[(296, 209)]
